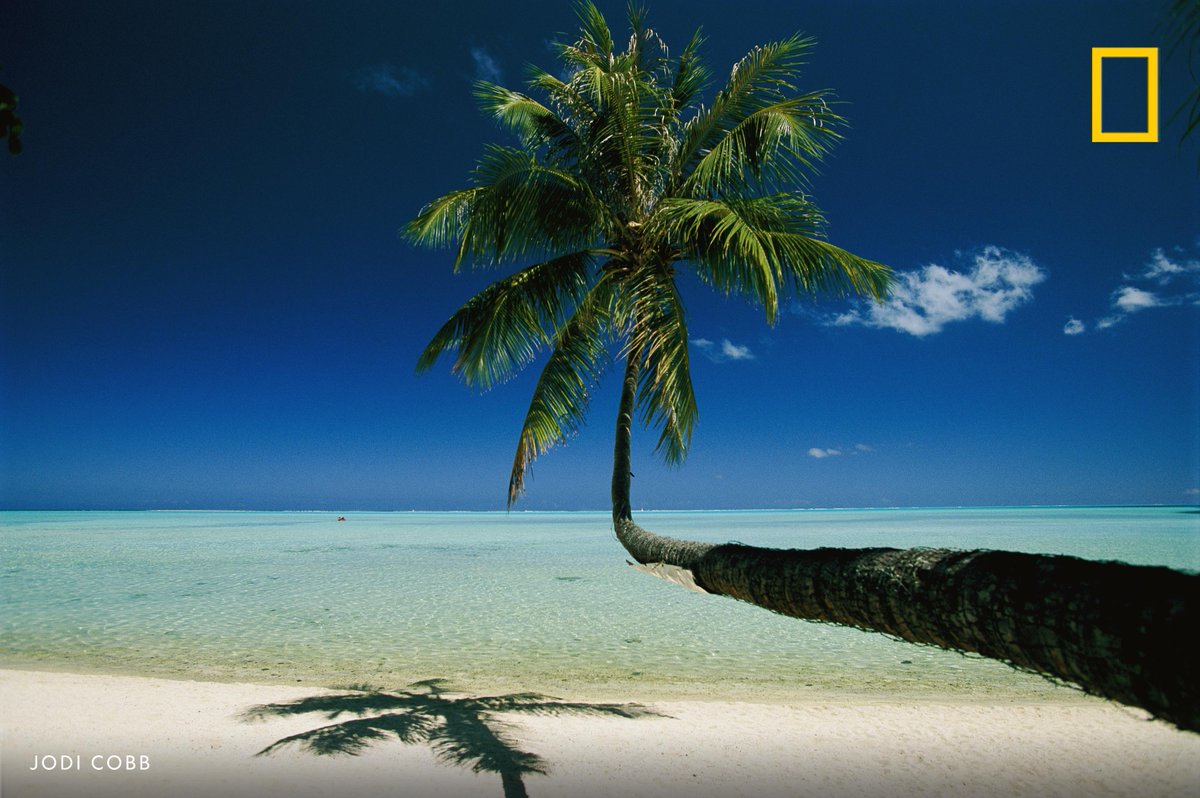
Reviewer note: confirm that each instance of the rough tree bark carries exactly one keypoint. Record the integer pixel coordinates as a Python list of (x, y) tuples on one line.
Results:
[(1116, 630)]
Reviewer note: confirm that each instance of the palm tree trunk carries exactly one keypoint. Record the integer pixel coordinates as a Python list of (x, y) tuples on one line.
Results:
[(1115, 630), (622, 470)]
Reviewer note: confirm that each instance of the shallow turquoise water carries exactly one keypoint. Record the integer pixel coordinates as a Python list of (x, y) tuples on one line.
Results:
[(526, 600)]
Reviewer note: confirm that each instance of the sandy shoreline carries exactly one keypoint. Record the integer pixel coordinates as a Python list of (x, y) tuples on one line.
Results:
[(192, 738)]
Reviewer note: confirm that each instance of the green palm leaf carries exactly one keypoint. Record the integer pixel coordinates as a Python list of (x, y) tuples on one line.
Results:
[(762, 247), (501, 329), (570, 105), (595, 37), (519, 207), (660, 341), (533, 122), (691, 75), (444, 221), (817, 268), (560, 398), (762, 78), (774, 145)]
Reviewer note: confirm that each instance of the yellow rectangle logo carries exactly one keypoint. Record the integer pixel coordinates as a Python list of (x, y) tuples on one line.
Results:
[(1151, 56)]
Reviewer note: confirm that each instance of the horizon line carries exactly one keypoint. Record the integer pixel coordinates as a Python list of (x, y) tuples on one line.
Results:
[(595, 511)]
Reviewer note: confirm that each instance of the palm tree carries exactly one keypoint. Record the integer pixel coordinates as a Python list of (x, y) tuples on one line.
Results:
[(623, 180)]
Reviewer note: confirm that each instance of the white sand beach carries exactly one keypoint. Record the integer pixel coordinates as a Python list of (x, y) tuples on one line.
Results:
[(130, 736)]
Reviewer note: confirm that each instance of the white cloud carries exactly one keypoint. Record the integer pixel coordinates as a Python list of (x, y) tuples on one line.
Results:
[(923, 302), (1176, 282), (733, 351), (724, 351), (390, 81), (823, 453), (1074, 326), (486, 67), (1164, 269), (862, 447), (1129, 299)]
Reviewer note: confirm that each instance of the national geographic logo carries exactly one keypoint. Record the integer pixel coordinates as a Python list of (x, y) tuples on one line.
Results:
[(1150, 55)]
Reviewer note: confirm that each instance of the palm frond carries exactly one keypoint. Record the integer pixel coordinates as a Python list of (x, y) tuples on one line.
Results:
[(577, 58), (533, 122), (619, 145), (646, 50), (691, 76), (772, 145), (500, 330), (760, 247), (593, 50), (560, 398), (730, 244), (443, 221), (594, 33), (815, 267), (615, 104), (738, 255), (659, 339), (762, 78), (629, 129), (570, 105), (528, 206), (520, 207)]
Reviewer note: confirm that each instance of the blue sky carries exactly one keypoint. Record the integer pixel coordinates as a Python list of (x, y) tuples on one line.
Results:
[(204, 302)]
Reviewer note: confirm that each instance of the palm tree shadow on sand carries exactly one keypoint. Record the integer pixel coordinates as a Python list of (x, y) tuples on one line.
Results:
[(463, 730)]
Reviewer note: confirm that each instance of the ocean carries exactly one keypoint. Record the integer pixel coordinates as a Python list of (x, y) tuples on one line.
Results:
[(499, 601)]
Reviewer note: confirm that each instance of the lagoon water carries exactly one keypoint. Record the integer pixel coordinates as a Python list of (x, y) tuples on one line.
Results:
[(530, 601)]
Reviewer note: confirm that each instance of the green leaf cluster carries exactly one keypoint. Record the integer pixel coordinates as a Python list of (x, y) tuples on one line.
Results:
[(622, 179)]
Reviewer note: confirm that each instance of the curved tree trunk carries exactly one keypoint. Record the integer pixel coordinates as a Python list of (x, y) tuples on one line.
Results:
[(1116, 630), (622, 470)]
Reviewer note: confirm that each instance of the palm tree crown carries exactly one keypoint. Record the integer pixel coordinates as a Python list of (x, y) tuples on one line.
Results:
[(622, 179)]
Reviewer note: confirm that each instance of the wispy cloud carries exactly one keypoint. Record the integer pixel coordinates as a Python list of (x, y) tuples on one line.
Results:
[(1162, 269), (486, 67), (923, 302), (724, 351), (390, 81), (1074, 326), (1163, 281), (821, 454)]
